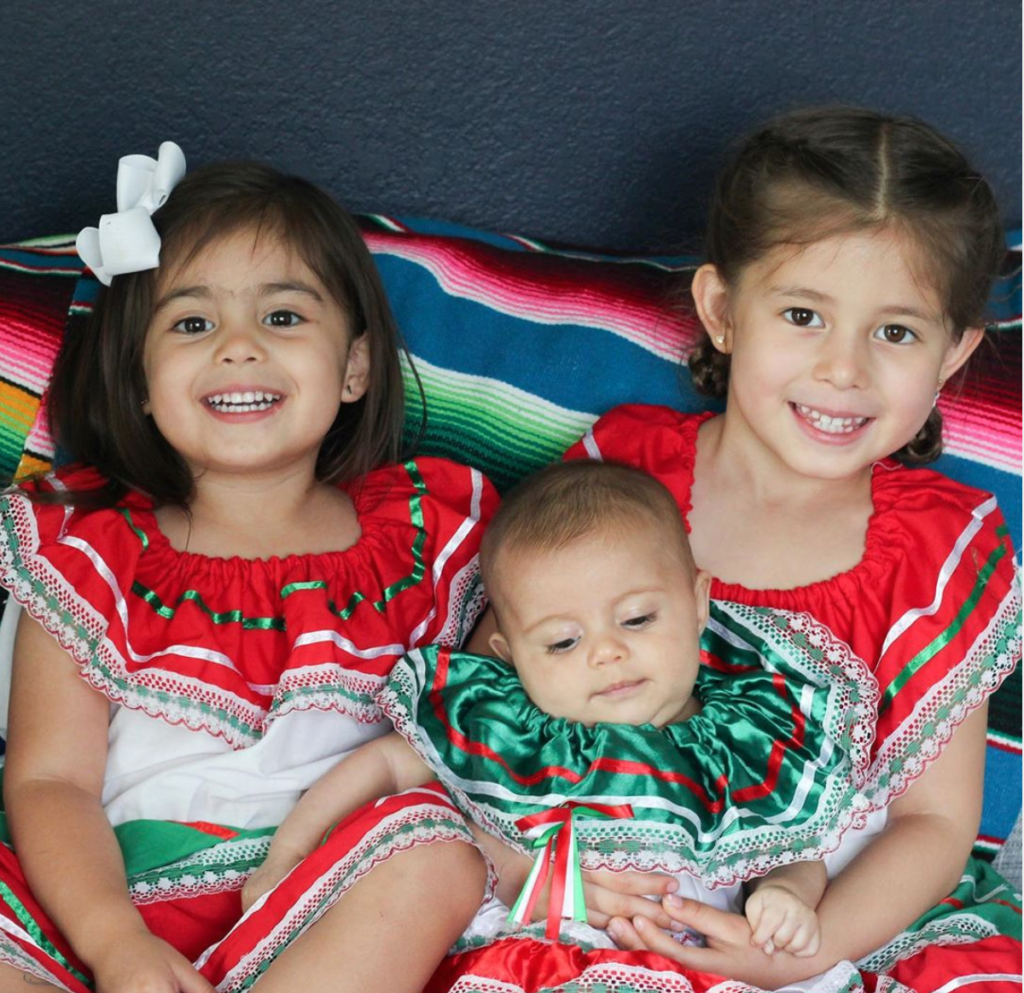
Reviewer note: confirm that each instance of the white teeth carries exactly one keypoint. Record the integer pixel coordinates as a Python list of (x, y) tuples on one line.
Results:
[(829, 424), (242, 402)]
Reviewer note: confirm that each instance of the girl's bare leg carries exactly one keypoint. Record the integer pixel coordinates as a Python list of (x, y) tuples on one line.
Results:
[(391, 930)]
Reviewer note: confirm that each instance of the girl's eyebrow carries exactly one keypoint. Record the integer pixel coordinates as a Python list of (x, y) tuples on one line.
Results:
[(800, 291), (897, 309), (290, 286), (265, 290), (201, 292)]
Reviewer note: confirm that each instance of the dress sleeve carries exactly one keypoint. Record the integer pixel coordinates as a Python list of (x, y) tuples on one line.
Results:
[(951, 626), (659, 440), (66, 566), (453, 503)]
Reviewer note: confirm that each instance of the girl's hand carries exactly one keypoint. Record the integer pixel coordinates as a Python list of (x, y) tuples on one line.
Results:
[(607, 894), (267, 876), (626, 894), (146, 964), (729, 950)]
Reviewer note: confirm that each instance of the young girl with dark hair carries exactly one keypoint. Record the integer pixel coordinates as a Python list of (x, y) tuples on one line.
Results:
[(212, 596), (850, 257)]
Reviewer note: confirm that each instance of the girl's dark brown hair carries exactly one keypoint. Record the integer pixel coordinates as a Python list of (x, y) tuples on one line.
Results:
[(815, 173), (98, 388)]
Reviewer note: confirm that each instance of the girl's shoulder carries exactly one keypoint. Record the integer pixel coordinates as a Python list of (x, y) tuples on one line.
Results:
[(921, 508), (431, 494), (641, 428), (659, 440), (426, 482)]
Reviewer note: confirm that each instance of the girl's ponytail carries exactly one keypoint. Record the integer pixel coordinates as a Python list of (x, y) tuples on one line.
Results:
[(709, 369)]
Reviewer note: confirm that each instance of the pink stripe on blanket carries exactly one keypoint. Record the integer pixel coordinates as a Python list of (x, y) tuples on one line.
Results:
[(516, 285)]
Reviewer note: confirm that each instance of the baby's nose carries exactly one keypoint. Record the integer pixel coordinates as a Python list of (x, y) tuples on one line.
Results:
[(609, 648)]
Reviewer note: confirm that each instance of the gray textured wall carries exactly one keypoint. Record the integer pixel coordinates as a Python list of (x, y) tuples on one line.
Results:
[(596, 122)]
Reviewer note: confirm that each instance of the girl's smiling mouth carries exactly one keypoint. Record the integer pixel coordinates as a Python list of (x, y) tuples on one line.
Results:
[(830, 424), (242, 401)]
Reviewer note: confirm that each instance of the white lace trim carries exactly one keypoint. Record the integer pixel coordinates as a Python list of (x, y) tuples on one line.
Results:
[(201, 873), (960, 929), (12, 954)]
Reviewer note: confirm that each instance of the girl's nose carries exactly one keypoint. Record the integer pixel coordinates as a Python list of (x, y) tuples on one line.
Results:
[(240, 342), (842, 360)]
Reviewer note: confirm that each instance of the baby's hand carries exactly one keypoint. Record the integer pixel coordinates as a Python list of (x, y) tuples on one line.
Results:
[(781, 921), (267, 876)]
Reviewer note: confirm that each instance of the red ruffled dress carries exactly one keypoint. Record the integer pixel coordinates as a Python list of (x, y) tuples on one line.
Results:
[(933, 609), (234, 684)]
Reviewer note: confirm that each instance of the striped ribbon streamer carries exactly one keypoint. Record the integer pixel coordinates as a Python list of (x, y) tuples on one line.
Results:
[(553, 831)]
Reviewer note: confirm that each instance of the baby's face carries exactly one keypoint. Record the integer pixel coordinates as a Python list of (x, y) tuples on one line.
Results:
[(605, 629)]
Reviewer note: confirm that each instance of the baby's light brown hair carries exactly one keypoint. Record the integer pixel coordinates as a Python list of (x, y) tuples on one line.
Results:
[(570, 500)]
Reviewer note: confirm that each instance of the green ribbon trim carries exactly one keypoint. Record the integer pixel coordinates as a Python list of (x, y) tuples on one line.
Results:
[(26, 920), (930, 651), (139, 533), (223, 617)]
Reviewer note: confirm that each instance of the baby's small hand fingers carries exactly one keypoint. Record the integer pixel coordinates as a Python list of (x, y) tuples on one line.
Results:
[(810, 945), (767, 927), (786, 931), (753, 910)]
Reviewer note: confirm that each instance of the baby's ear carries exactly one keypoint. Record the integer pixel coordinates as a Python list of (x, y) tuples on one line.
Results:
[(702, 598), (500, 646)]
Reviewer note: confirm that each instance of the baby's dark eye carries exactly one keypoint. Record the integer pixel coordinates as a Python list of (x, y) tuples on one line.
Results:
[(282, 319), (560, 647), (895, 334), (639, 622), (803, 318), (193, 325)]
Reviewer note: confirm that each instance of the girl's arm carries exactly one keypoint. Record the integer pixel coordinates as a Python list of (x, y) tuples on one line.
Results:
[(907, 869), (379, 768), (53, 783)]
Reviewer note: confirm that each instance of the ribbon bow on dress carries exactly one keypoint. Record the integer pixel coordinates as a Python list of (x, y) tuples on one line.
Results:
[(128, 241), (554, 831)]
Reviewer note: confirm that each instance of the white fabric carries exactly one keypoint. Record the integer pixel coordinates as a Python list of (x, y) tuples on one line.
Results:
[(198, 777), (8, 629), (855, 841), (1008, 860)]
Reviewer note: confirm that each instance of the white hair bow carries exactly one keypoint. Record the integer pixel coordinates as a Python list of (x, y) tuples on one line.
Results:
[(127, 241)]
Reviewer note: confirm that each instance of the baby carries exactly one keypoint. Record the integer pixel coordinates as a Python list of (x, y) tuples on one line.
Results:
[(599, 610)]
